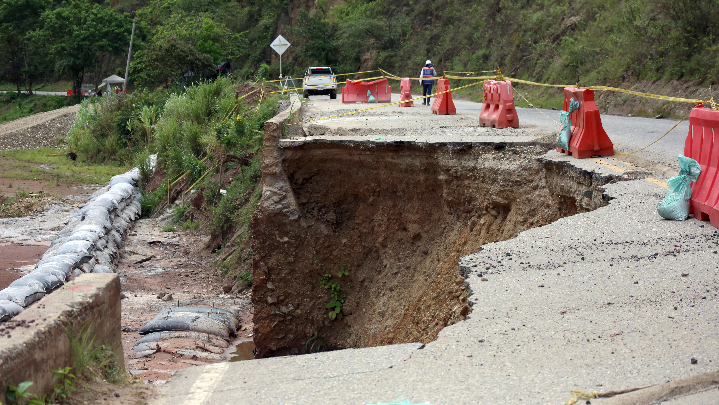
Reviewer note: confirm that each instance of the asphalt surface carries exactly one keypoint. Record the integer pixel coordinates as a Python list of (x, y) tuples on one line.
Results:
[(610, 300)]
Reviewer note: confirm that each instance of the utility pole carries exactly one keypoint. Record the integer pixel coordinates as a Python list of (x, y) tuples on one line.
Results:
[(129, 52)]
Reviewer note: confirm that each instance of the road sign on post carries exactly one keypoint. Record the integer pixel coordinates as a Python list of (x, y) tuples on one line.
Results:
[(280, 45)]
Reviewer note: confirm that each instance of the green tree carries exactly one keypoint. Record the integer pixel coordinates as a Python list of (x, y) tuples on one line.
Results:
[(317, 42), (184, 43), (79, 32), (23, 60)]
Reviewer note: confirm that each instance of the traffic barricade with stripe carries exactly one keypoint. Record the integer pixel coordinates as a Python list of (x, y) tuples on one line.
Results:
[(405, 93), (443, 104), (702, 145), (356, 91), (498, 105), (588, 135)]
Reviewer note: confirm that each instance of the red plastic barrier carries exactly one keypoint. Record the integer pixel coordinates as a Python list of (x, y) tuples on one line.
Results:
[(498, 105), (702, 145), (405, 93), (443, 104), (356, 92), (588, 135)]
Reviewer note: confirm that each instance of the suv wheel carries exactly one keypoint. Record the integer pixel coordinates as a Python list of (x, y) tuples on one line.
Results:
[(306, 94), (333, 95)]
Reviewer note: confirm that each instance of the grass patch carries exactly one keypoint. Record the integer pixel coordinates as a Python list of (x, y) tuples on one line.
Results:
[(52, 165), (14, 106)]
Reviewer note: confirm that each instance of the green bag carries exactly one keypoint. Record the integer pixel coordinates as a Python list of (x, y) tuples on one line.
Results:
[(371, 97), (676, 204), (565, 133)]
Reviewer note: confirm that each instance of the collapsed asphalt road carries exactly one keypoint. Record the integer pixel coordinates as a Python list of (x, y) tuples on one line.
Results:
[(609, 300)]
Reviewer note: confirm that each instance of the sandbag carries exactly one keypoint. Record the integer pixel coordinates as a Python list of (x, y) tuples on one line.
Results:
[(116, 238), (59, 241), (101, 268), (122, 179), (225, 316), (126, 189), (99, 221), (565, 133), (103, 258), (9, 309), (39, 280), (99, 230), (84, 235), (675, 205), (186, 321), (76, 246), (154, 337), (71, 259), (22, 295), (106, 204)]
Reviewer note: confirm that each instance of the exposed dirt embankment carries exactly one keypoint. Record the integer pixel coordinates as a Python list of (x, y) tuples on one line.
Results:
[(396, 218)]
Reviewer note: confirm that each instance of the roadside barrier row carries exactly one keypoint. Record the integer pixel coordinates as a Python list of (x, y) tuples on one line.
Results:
[(702, 145), (90, 242), (385, 105)]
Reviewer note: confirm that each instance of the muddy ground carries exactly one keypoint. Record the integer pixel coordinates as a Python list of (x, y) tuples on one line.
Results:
[(159, 270), (153, 265)]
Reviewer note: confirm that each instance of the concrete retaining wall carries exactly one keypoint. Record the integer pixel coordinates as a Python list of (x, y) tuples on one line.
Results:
[(72, 290), (36, 341)]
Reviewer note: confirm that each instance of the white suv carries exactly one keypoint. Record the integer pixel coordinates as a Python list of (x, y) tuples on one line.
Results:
[(319, 80)]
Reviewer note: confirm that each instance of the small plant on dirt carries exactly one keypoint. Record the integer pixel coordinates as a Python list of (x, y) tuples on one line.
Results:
[(168, 228), (246, 277), (190, 225), (335, 290), (19, 395), (316, 344), (90, 360), (64, 385), (178, 212)]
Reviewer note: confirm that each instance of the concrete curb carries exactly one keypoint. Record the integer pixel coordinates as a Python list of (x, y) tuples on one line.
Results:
[(37, 341)]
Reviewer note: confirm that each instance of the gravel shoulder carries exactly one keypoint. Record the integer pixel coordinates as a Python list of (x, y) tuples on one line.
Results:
[(37, 130)]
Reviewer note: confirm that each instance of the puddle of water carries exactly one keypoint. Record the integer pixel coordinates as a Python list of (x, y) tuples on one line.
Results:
[(243, 351)]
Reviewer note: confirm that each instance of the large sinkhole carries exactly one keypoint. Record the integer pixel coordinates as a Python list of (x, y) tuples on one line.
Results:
[(396, 218)]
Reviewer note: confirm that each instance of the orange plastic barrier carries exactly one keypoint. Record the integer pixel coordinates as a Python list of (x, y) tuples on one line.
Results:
[(405, 93), (588, 135), (702, 145), (443, 104), (498, 105), (356, 92)]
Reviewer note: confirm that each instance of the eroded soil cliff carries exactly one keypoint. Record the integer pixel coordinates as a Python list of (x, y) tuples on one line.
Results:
[(396, 218)]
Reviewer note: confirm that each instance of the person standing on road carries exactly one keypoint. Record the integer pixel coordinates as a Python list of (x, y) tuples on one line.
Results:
[(427, 72)]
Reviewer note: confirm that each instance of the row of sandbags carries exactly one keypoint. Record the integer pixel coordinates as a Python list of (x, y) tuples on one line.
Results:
[(90, 242), (213, 326)]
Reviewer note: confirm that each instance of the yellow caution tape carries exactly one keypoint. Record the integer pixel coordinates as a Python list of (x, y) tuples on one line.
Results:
[(667, 133), (386, 105), (532, 105), (534, 83), (646, 95), (470, 78), (341, 74), (471, 73)]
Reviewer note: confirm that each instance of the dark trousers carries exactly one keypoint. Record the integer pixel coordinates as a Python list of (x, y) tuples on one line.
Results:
[(426, 91)]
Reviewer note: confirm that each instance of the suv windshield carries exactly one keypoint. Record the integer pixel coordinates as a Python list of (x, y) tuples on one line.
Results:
[(320, 71)]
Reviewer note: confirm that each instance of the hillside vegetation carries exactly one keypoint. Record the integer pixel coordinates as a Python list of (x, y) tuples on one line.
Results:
[(557, 41)]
